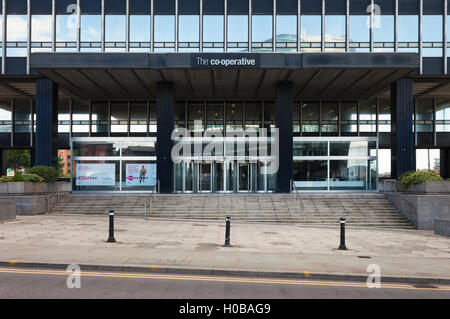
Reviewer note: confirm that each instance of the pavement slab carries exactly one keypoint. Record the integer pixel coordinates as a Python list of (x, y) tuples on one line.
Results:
[(258, 248)]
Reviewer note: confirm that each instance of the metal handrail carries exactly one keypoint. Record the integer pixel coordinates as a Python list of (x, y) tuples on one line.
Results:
[(297, 195), (47, 198), (152, 198)]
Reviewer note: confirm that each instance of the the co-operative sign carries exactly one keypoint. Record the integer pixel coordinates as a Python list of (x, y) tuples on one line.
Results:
[(225, 61)]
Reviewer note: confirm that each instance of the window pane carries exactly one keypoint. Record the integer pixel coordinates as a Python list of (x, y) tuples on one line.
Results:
[(310, 175), (432, 33), (80, 117), (384, 163), (16, 31), (63, 116), (384, 30), (5, 115), (66, 27), (310, 117), (368, 116), (138, 117), (115, 28), (329, 117), (164, 28), (443, 116), (22, 115), (196, 117), (425, 115), (311, 27), (349, 117), (335, 28), (237, 28), (119, 117), (384, 116), (214, 117), (253, 117), (428, 159), (140, 28), (408, 31), (234, 117), (100, 120), (41, 28), (261, 28), (286, 28), (213, 28), (188, 27), (359, 28)]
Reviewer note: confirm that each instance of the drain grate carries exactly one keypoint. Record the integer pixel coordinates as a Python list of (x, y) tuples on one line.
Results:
[(368, 257)]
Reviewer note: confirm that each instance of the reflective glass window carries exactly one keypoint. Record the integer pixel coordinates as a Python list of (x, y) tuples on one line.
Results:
[(428, 159), (16, 31), (63, 116), (115, 31), (119, 117), (188, 28), (138, 117), (270, 116), (383, 33), (91, 31), (310, 117), (22, 115), (196, 117), (213, 28), (234, 117), (66, 31), (384, 115), (80, 117), (384, 163), (329, 117), (349, 117), (286, 28), (311, 32), (359, 32), (214, 117), (443, 116), (237, 28), (425, 115), (164, 30), (335, 28), (408, 33), (100, 118), (261, 28), (253, 117), (179, 115), (432, 35), (5, 115), (41, 31), (139, 28), (368, 116), (153, 127)]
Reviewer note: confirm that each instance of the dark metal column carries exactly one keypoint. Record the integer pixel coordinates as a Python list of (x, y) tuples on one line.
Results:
[(284, 113), (445, 163), (165, 106), (402, 137), (46, 122), (3, 160)]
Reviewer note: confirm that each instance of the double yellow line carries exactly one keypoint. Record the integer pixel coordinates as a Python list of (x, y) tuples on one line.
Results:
[(217, 279)]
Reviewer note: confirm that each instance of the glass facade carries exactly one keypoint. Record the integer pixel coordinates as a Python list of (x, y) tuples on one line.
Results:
[(283, 28)]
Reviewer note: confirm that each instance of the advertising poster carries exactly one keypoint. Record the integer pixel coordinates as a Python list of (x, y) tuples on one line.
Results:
[(96, 174), (140, 175)]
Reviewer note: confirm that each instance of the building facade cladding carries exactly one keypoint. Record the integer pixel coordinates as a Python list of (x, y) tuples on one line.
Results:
[(224, 26)]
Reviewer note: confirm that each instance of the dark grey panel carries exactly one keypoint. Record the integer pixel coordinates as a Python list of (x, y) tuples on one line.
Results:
[(115, 7), (91, 6), (433, 6), (335, 6), (41, 7), (408, 6), (5, 140), (62, 5), (443, 139), (237, 7), (386, 6), (262, 6), (69, 60), (22, 140), (424, 139), (433, 66), (287, 6), (359, 6), (213, 7), (311, 6), (17, 7), (188, 6), (16, 65), (63, 141), (140, 7), (164, 6)]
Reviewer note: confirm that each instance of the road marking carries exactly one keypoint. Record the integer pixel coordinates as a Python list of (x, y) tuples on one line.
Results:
[(219, 279), (13, 262)]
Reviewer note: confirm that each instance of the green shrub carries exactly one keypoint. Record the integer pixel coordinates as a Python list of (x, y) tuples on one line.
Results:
[(18, 177), (6, 179), (33, 178), (49, 174), (415, 178)]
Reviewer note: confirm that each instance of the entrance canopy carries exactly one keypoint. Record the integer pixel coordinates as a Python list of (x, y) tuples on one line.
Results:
[(224, 75)]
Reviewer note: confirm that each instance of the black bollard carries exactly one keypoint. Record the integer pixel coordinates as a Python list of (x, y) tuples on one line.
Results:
[(111, 238), (342, 245), (227, 231)]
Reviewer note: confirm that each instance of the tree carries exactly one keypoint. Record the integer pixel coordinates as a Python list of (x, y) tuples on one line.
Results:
[(18, 159)]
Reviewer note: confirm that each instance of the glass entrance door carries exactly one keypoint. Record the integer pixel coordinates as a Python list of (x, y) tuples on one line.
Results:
[(205, 177), (218, 177), (244, 177)]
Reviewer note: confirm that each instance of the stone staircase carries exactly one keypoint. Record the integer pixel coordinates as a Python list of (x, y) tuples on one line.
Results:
[(360, 209)]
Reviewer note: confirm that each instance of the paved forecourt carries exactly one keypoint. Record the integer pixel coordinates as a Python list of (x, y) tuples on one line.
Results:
[(198, 245)]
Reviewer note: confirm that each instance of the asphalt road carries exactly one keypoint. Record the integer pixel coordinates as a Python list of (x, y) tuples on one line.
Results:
[(40, 283)]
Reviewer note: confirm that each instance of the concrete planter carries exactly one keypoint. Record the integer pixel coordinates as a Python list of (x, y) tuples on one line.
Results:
[(7, 210), (442, 227), (429, 187), (22, 188)]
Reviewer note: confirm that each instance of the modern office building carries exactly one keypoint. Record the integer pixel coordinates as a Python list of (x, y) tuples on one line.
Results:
[(342, 92)]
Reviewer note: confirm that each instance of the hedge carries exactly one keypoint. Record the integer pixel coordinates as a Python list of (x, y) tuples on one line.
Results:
[(415, 178)]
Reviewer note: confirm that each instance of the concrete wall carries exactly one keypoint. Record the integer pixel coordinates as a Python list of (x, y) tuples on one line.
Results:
[(442, 227), (30, 205), (422, 210), (7, 209), (34, 188), (430, 187)]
